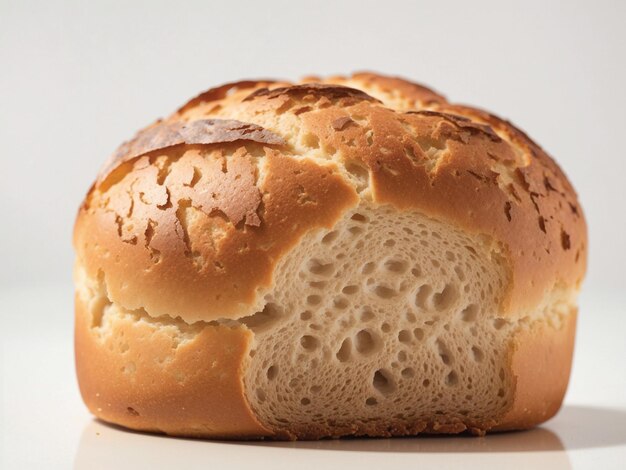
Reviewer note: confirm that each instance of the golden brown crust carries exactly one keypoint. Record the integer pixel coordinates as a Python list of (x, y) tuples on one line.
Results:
[(300, 91), (162, 135), (412, 93), (135, 233), (136, 377), (223, 91), (540, 362)]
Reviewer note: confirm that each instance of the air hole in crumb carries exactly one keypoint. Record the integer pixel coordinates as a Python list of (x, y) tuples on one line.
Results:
[(306, 315), (359, 218), (365, 342), (422, 296), (131, 411), (310, 343), (418, 333), (445, 298), (260, 395), (330, 237), (395, 266), (272, 372), (341, 303), (383, 382), (385, 327), (408, 373), (478, 354), (390, 243), (384, 292), (305, 401), (350, 290), (402, 356), (452, 378), (404, 336), (368, 268), (321, 269), (345, 351), (318, 284), (355, 230), (371, 401), (416, 272), (444, 353), (313, 299), (469, 313)]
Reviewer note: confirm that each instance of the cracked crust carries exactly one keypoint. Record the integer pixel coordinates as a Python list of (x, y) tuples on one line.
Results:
[(191, 217), (160, 136), (172, 389), (144, 247)]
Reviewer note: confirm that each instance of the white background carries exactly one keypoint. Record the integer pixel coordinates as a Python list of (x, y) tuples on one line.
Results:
[(77, 78)]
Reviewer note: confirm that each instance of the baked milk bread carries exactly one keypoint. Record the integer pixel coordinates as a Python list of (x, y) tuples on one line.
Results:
[(349, 256)]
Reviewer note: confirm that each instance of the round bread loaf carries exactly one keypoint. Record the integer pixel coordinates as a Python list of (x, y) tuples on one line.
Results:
[(341, 256)]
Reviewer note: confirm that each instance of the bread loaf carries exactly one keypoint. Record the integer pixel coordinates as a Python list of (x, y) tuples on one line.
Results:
[(342, 256)]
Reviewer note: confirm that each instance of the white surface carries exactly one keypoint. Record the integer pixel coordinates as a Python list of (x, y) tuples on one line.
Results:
[(45, 425)]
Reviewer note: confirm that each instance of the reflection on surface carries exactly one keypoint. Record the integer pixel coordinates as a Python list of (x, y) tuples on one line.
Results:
[(535, 440), (104, 446), (584, 427)]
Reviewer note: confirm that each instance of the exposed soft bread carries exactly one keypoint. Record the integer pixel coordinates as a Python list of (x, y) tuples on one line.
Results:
[(349, 256)]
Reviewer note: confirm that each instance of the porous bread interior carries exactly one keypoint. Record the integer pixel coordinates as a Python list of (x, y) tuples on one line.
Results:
[(388, 317)]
